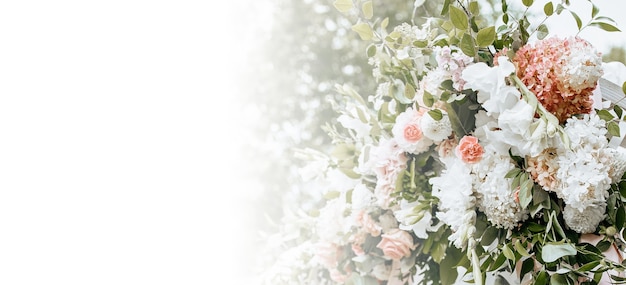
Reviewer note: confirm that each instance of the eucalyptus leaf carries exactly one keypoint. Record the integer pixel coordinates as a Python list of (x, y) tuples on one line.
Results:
[(459, 18), (364, 30), (527, 3), (368, 9), (553, 251), (548, 9), (542, 31), (613, 129), (467, 45), (506, 250), (343, 5), (579, 22), (486, 36), (605, 26)]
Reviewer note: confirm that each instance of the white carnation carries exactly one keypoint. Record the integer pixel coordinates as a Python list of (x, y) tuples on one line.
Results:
[(436, 130), (616, 157), (585, 220)]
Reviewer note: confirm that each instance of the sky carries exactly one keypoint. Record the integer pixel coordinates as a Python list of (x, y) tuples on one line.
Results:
[(120, 131)]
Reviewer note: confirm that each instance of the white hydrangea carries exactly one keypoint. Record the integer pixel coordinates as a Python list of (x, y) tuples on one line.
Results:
[(583, 179), (495, 197), (436, 130), (453, 188), (585, 220), (582, 68), (583, 172), (616, 157)]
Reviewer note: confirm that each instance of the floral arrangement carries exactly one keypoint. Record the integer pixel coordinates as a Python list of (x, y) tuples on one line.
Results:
[(486, 155)]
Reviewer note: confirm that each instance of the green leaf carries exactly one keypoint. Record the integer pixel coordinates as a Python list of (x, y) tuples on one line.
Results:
[(542, 31), (553, 251), (428, 98), (458, 18), (542, 278), (548, 9), (409, 92), (512, 173), (384, 23), (364, 30), (331, 195), (489, 235), (605, 26), (559, 9), (506, 250), (579, 23), (446, 7), (624, 87), (603, 246), (605, 115), (620, 218), (527, 3), (527, 266), (486, 36), (594, 10), (398, 91), (368, 9), (474, 8), (435, 114), (589, 266), (371, 51), (467, 45), (525, 192), (558, 279), (343, 5), (520, 249), (505, 18), (613, 128), (618, 110)]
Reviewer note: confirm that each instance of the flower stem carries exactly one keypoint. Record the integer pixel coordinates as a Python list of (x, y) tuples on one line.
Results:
[(478, 275)]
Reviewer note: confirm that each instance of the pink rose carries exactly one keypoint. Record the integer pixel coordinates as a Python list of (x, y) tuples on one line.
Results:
[(470, 150), (396, 244), (368, 224), (327, 254), (412, 133)]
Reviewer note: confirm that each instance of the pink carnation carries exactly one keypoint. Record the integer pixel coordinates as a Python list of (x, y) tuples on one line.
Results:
[(562, 73), (469, 150)]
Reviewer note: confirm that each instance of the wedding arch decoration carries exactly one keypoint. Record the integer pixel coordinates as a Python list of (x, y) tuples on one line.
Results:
[(489, 154)]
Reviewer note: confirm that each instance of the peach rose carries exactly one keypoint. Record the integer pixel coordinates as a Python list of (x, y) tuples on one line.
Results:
[(470, 150), (396, 244)]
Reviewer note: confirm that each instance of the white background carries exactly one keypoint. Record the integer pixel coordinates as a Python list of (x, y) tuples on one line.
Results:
[(119, 125), (118, 142)]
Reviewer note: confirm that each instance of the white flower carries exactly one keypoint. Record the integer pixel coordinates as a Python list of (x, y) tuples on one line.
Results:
[(583, 179), (493, 93), (332, 223), (408, 133), (517, 120), (350, 122), (616, 157), (413, 219), (436, 130), (585, 220), (361, 197), (495, 197), (453, 188)]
